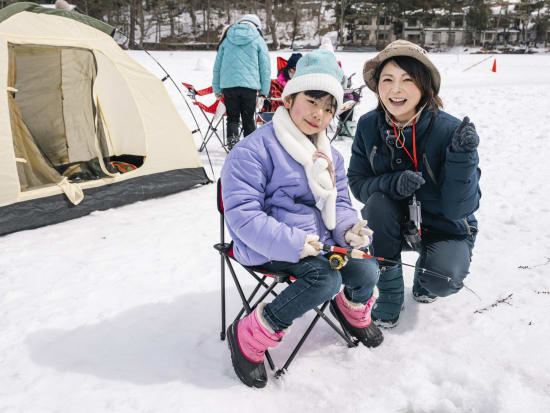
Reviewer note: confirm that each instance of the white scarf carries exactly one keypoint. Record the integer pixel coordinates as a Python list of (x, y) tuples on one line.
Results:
[(300, 148)]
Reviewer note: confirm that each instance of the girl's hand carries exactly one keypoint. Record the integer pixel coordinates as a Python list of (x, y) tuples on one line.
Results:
[(359, 236), (310, 246), (219, 96), (465, 138)]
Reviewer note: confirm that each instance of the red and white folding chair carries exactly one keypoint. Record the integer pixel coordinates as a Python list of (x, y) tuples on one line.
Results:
[(213, 114)]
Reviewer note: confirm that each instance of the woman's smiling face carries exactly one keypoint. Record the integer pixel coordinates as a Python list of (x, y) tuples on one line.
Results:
[(398, 92)]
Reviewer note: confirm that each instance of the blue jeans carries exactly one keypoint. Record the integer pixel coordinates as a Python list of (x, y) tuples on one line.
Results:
[(446, 254), (316, 283)]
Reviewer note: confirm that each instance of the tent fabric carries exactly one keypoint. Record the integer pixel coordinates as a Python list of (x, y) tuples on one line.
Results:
[(55, 209), (74, 96), (15, 8)]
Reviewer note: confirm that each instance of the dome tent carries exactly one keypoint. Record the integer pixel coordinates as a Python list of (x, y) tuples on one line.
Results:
[(77, 107)]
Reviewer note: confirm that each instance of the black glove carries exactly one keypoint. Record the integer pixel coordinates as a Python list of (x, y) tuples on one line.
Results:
[(465, 138), (408, 182)]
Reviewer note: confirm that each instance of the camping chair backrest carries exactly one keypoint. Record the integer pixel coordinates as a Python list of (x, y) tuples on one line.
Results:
[(281, 63)]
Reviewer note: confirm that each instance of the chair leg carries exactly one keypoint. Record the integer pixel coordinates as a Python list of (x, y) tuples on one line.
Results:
[(253, 293), (245, 304), (283, 369), (222, 333), (221, 140), (207, 136)]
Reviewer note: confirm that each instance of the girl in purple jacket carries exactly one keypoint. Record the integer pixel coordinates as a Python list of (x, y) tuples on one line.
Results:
[(284, 190)]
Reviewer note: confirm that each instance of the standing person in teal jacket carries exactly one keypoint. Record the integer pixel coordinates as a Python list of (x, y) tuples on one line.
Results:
[(415, 168), (241, 71)]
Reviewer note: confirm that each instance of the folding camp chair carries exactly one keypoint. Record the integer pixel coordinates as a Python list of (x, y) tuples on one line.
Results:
[(260, 275), (216, 112), (352, 96)]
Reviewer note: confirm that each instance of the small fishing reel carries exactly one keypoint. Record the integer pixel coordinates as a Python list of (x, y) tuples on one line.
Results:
[(337, 261)]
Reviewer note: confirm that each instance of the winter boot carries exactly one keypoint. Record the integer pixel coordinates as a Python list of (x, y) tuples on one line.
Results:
[(419, 293), (232, 140), (389, 304), (248, 339), (356, 320), (232, 134)]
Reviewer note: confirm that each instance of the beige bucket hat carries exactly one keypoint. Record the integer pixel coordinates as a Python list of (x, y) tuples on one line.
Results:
[(399, 48)]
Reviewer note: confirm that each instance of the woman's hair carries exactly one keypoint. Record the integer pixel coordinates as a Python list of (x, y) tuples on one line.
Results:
[(315, 94), (285, 73), (421, 77)]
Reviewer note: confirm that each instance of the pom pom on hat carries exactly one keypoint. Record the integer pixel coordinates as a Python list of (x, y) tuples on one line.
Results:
[(293, 60), (326, 44), (317, 70)]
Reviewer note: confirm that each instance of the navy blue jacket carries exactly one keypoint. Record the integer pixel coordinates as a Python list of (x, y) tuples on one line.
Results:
[(451, 193)]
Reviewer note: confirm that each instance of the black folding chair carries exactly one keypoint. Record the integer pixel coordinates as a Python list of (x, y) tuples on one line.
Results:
[(261, 276), (352, 96)]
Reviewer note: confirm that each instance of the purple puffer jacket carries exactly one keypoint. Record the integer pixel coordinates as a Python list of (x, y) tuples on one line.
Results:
[(269, 207)]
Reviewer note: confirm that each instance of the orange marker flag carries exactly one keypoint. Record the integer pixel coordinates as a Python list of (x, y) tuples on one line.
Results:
[(494, 69)]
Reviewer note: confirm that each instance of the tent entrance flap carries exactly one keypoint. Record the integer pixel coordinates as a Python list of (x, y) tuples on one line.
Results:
[(53, 112)]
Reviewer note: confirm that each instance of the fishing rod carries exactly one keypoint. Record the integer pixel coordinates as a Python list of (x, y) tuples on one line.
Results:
[(337, 261)]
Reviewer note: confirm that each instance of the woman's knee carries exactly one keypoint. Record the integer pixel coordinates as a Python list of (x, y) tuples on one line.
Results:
[(448, 281), (450, 259)]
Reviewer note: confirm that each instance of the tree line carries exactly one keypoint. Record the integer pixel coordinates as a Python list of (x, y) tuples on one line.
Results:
[(202, 21)]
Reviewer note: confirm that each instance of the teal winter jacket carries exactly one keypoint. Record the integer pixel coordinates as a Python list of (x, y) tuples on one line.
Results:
[(451, 193), (242, 60)]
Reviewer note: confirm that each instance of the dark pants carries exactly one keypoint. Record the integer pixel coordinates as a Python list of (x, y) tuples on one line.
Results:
[(446, 254), (240, 103), (316, 283)]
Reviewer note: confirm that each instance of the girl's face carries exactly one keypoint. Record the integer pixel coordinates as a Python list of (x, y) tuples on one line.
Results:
[(398, 92), (310, 115)]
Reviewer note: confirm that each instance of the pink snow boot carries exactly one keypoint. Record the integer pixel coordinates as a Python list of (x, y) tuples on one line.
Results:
[(356, 320), (248, 340)]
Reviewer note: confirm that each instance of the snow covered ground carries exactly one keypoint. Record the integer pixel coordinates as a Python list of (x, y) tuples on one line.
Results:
[(119, 311)]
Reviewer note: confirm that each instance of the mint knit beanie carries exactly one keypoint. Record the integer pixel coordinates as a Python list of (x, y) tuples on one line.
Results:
[(318, 70)]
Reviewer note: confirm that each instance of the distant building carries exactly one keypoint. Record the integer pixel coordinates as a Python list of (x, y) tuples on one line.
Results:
[(372, 31), (508, 24)]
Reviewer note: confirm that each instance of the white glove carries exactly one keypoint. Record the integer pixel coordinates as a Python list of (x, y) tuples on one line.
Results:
[(359, 235), (310, 250), (260, 103)]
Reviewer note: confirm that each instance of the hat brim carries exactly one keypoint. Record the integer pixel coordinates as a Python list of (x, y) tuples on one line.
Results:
[(370, 66), (315, 81)]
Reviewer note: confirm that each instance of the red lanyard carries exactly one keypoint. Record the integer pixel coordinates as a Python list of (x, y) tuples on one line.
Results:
[(415, 161)]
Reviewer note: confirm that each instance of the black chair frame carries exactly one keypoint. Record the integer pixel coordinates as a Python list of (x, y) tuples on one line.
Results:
[(250, 303)]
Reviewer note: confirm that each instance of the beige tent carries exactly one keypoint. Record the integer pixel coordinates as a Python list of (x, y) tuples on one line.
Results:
[(78, 111)]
